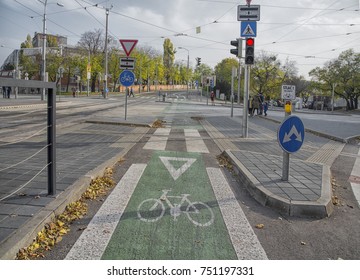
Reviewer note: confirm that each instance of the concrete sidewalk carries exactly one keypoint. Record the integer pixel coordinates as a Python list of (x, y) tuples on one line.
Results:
[(258, 162), (84, 151)]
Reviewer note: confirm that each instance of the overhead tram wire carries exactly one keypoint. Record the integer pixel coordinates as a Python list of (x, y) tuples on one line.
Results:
[(291, 31)]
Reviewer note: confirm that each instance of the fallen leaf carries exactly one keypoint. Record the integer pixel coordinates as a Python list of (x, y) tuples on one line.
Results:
[(260, 226)]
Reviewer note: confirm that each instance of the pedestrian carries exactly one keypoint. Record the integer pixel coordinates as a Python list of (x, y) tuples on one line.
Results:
[(256, 104), (8, 92), (4, 92), (131, 92), (212, 97), (73, 92), (250, 106), (266, 106)]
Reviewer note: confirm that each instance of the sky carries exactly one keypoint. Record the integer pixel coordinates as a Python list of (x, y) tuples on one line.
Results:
[(308, 32)]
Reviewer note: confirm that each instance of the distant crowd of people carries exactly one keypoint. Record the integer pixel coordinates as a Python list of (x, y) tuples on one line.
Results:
[(258, 103)]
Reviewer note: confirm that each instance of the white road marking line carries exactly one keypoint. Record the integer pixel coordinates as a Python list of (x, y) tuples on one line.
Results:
[(156, 143), (243, 238), (93, 241), (162, 131), (194, 143)]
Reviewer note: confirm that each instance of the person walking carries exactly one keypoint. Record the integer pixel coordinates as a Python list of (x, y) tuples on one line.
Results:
[(256, 105), (212, 97), (250, 105), (266, 106), (131, 93), (8, 92)]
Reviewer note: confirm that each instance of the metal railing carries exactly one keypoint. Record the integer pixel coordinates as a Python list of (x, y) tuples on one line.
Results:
[(51, 123)]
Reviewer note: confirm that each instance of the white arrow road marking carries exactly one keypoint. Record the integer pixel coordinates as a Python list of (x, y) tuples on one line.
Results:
[(243, 238), (94, 239), (176, 173), (293, 131)]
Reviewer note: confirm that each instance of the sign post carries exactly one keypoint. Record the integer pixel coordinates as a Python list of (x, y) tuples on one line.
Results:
[(290, 137), (127, 79)]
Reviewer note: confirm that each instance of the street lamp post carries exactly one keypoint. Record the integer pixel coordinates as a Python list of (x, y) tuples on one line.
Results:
[(187, 76), (43, 72)]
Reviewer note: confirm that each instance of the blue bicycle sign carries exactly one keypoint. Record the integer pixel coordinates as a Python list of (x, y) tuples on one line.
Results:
[(127, 78)]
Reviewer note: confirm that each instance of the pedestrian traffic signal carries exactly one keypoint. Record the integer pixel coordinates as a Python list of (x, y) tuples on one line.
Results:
[(198, 61), (249, 51), (238, 45)]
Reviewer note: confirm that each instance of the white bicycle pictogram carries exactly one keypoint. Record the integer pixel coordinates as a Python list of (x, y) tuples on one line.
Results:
[(152, 209), (127, 78)]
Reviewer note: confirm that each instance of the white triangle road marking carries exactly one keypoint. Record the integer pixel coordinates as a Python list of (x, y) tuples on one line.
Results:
[(176, 173)]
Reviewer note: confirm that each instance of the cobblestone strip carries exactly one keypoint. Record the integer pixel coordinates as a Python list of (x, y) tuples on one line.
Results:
[(221, 141)]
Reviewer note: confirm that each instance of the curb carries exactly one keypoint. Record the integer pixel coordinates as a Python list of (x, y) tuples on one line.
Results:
[(321, 208)]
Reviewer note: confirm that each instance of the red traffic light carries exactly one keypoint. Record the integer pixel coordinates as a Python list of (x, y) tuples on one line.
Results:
[(250, 42)]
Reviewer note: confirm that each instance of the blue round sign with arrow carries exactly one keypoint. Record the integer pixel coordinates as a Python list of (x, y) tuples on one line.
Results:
[(291, 134), (127, 78)]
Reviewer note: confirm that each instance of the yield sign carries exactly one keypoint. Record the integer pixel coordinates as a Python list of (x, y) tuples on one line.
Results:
[(128, 45), (177, 172)]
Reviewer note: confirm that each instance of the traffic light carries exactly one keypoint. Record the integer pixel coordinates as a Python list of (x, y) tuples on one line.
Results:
[(198, 61), (238, 45), (249, 51)]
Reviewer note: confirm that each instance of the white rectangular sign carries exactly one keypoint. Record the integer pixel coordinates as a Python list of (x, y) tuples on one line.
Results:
[(127, 63), (248, 13), (288, 92)]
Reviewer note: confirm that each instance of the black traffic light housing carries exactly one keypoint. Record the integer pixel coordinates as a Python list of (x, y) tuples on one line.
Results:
[(238, 45), (198, 61), (249, 50)]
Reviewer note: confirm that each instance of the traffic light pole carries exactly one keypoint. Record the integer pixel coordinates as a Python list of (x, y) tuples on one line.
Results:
[(246, 101)]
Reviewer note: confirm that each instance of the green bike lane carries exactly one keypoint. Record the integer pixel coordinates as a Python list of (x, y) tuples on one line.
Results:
[(171, 208), (173, 214)]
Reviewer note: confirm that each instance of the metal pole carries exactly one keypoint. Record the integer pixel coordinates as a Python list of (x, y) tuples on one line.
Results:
[(126, 92), (232, 90), (333, 93), (87, 75), (246, 99), (187, 74), (17, 73), (44, 52), (51, 141), (106, 53), (239, 82), (286, 160)]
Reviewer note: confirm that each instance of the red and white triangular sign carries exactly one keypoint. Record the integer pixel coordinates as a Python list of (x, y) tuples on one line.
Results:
[(128, 45)]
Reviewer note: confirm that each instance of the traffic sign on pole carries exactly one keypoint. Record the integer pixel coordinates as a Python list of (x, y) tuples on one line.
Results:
[(127, 63), (248, 13), (128, 45), (248, 29), (127, 78), (291, 134)]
